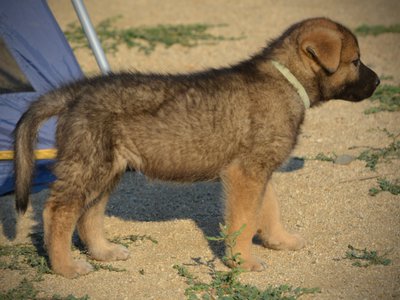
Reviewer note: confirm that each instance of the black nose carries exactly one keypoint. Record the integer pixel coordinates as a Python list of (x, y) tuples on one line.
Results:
[(378, 81)]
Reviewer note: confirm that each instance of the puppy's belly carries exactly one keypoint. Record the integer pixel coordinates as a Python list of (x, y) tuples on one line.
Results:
[(181, 160), (180, 156)]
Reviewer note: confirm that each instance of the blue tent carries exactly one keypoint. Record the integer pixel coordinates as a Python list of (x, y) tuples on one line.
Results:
[(37, 45)]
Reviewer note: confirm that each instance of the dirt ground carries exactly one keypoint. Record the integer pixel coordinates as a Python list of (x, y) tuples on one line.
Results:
[(327, 203)]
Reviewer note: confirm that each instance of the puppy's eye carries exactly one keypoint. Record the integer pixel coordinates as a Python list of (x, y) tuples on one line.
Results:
[(356, 62)]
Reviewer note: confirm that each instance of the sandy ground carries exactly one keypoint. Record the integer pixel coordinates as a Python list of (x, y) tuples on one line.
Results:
[(326, 203)]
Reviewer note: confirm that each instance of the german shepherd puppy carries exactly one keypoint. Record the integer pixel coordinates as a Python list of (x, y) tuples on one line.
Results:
[(238, 124)]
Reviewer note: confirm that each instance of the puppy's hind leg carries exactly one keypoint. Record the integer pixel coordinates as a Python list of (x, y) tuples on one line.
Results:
[(60, 215), (72, 201), (91, 232)]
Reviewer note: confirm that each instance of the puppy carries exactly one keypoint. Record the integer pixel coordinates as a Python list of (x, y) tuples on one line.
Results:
[(237, 124)]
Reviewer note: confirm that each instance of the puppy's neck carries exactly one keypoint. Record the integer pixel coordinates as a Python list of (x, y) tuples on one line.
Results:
[(294, 82)]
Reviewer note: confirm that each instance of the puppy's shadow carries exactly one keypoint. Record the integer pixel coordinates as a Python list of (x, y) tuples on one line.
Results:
[(137, 198), (8, 217)]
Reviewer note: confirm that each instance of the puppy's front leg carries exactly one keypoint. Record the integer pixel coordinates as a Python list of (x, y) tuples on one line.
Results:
[(270, 228), (243, 194)]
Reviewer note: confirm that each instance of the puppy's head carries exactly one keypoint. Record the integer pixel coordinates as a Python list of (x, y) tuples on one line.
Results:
[(333, 54)]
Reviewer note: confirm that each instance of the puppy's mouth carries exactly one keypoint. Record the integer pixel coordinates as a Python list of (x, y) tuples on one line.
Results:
[(361, 89), (356, 95)]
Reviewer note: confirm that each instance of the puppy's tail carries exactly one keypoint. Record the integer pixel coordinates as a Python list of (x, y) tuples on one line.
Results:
[(25, 133)]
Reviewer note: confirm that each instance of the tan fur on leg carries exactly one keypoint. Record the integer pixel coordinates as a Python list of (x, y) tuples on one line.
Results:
[(91, 232), (59, 223), (270, 228), (243, 194)]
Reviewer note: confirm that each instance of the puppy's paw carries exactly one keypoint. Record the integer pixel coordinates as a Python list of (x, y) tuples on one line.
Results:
[(110, 252), (72, 269), (284, 241), (253, 264)]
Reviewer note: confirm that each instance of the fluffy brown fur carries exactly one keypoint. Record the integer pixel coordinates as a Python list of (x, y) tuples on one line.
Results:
[(238, 124)]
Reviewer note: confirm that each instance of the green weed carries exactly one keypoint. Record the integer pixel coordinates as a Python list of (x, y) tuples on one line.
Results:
[(20, 256), (25, 290), (230, 241), (388, 97), (226, 284), (365, 258), (130, 239), (385, 185), (322, 157), (17, 257), (145, 38), (375, 30), (374, 155), (107, 267)]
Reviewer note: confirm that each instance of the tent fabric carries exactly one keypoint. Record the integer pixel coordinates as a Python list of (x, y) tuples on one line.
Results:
[(42, 53)]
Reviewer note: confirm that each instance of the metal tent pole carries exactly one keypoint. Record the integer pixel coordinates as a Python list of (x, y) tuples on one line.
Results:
[(91, 36)]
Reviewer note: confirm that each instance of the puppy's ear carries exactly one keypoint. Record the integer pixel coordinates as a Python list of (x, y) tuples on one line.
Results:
[(323, 46)]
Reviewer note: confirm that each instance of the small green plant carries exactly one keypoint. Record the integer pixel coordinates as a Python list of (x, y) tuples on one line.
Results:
[(388, 97), (373, 155), (365, 258), (107, 267), (375, 30), (230, 241), (226, 284), (130, 239), (385, 185), (322, 157), (20, 256), (145, 38), (25, 290)]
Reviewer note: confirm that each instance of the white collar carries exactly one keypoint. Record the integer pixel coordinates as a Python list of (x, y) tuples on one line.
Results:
[(293, 80)]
